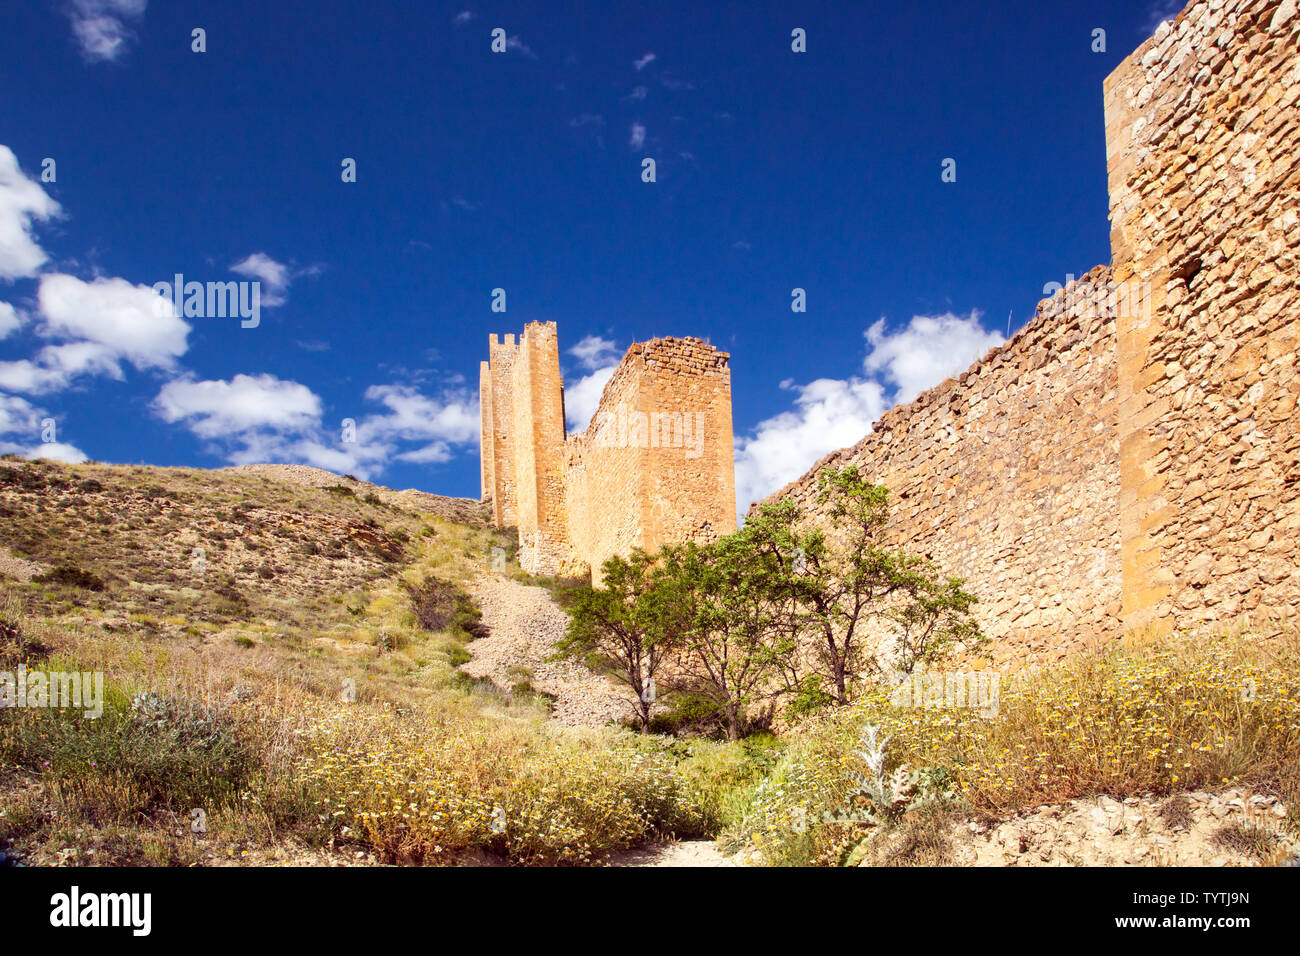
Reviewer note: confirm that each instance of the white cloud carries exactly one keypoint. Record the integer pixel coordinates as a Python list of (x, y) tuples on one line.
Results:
[(930, 349), (101, 323), (22, 200), (100, 26), (251, 419), (515, 43), (636, 139), (595, 352), (19, 420), (583, 397), (17, 415), (830, 414), (219, 409), (27, 376), (643, 62), (600, 357), (463, 17), (638, 93), (412, 416), (122, 318), (91, 327), (57, 451), (274, 277), (10, 319)]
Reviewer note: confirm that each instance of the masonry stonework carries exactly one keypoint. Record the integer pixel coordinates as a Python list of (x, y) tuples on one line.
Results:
[(655, 466), (1131, 458), (1203, 149), (1006, 476)]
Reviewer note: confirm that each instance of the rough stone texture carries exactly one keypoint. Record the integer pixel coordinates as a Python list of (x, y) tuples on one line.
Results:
[(1203, 147), (498, 423), (1007, 476), (1141, 468), (655, 466)]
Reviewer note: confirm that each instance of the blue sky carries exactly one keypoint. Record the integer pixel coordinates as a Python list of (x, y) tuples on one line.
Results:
[(523, 171)]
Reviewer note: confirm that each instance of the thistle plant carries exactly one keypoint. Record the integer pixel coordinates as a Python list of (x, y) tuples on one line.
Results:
[(881, 798)]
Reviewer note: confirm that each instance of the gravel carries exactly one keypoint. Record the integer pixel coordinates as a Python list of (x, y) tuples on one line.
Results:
[(523, 624)]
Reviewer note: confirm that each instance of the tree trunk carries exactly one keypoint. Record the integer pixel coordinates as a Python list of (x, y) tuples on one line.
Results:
[(733, 723), (841, 692)]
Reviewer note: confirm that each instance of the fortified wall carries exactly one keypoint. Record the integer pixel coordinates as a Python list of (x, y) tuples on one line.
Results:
[(655, 466), (1131, 457), (1203, 148), (1006, 475)]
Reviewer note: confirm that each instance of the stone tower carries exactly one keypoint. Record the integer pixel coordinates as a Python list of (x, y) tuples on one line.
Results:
[(655, 465)]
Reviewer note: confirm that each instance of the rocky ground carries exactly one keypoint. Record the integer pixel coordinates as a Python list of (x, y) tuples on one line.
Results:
[(524, 622), (469, 511), (1233, 828), (17, 568)]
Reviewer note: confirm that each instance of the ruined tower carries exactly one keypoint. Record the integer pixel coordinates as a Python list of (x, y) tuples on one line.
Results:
[(655, 466)]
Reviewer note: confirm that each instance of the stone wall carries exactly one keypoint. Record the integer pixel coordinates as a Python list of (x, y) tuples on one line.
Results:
[(1132, 458), (1007, 475), (538, 450), (1203, 147), (656, 464)]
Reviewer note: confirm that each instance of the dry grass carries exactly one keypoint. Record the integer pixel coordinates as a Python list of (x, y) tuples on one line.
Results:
[(303, 698), (1153, 716)]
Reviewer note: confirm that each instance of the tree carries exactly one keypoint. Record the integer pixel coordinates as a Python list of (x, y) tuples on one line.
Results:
[(624, 628), (780, 549), (934, 619), (834, 587), (722, 599), (782, 607)]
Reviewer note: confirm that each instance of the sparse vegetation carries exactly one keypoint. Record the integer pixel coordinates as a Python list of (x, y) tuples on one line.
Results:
[(317, 712), (777, 612), (1159, 716)]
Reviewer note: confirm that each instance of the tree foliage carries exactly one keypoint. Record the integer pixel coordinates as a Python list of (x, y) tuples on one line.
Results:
[(787, 609)]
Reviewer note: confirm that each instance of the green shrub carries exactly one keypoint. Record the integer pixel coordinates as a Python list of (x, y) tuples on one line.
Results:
[(142, 756), (442, 606), (71, 576)]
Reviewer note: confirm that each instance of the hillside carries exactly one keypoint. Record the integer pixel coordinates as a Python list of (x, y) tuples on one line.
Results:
[(302, 668), (287, 612)]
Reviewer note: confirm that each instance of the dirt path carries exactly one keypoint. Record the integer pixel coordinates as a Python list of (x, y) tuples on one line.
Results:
[(686, 853), (524, 622)]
